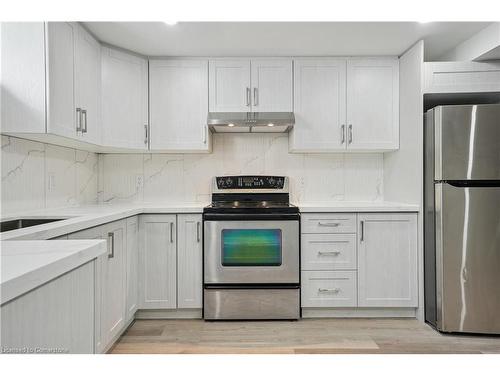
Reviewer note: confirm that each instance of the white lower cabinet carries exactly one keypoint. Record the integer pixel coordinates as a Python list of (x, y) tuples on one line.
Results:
[(110, 281), (170, 267), (158, 262), (189, 261), (329, 289), (58, 315), (365, 260), (387, 260)]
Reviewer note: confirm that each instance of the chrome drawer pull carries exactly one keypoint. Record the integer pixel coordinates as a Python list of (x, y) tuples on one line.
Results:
[(335, 253), (328, 224), (325, 290)]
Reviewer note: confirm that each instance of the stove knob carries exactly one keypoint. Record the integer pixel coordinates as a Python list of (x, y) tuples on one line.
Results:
[(271, 181), (279, 183), (229, 182)]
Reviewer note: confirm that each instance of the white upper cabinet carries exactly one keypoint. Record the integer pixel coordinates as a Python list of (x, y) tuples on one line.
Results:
[(387, 260), (230, 89), (345, 105), (51, 81), (61, 109), (256, 85), (319, 105), (271, 85), (88, 85), (373, 104), (124, 86), (179, 105)]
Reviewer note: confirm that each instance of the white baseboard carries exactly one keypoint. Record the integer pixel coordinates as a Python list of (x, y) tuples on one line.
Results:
[(359, 312), (169, 314)]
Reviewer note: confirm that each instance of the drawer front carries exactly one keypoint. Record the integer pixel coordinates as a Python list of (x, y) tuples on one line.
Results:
[(328, 252), (329, 289), (328, 223)]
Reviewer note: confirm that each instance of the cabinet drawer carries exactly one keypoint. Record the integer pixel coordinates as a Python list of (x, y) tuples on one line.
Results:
[(328, 223), (328, 252), (329, 289)]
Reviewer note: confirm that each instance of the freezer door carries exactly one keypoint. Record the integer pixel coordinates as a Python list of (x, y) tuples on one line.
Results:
[(467, 142), (468, 258)]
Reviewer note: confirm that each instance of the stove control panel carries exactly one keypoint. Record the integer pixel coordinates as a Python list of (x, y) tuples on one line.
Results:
[(250, 182)]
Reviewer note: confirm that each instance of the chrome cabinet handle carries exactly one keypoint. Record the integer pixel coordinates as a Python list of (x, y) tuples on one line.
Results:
[(328, 224), (362, 230), (335, 253), (255, 96), (342, 134), (248, 96), (78, 119), (111, 237), (205, 135), (198, 231), (146, 135), (171, 232), (350, 133), (84, 114), (326, 290)]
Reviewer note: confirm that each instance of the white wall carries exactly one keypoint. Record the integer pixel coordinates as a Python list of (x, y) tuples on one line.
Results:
[(187, 177), (28, 168)]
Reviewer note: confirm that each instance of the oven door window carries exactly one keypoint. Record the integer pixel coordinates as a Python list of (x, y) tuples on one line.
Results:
[(251, 247)]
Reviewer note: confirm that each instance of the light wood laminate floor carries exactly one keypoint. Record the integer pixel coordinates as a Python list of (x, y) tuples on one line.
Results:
[(306, 336)]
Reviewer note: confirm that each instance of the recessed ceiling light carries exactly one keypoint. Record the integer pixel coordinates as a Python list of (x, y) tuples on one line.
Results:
[(270, 124), (231, 124), (170, 23)]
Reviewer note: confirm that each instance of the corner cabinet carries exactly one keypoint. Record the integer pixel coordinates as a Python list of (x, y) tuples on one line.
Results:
[(387, 260), (250, 85), (124, 88), (51, 83), (345, 104), (178, 92)]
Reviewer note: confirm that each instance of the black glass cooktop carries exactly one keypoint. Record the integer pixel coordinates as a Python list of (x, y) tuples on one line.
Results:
[(251, 207)]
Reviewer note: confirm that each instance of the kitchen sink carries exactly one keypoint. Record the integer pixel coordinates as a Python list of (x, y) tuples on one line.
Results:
[(14, 224)]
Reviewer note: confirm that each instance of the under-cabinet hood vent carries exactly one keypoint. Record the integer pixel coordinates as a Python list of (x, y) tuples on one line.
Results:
[(250, 122)]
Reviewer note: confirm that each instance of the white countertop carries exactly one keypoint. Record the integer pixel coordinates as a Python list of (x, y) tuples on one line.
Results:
[(29, 264), (352, 206), (83, 217)]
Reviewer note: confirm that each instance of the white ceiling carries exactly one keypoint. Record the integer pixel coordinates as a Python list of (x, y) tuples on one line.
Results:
[(283, 38)]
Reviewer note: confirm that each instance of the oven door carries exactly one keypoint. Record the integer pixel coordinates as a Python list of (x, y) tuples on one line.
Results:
[(251, 252)]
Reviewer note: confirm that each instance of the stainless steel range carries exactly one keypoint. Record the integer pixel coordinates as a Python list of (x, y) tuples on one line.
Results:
[(251, 247)]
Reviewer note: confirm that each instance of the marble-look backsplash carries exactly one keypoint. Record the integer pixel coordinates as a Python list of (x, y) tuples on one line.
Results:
[(37, 175), (170, 178)]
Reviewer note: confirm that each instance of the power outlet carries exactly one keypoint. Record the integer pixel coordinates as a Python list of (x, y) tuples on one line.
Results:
[(51, 183), (139, 181)]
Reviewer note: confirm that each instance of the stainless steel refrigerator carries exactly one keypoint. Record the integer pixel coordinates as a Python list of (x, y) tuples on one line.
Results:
[(462, 218)]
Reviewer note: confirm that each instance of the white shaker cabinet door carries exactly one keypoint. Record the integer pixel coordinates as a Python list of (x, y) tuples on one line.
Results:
[(229, 85), (114, 281), (132, 261), (189, 262), (179, 105), (158, 262), (124, 99), (272, 85), (373, 104), (319, 105), (387, 260), (62, 115), (88, 85)]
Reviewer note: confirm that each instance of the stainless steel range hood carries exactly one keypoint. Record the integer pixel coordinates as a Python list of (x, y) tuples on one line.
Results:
[(250, 122)]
